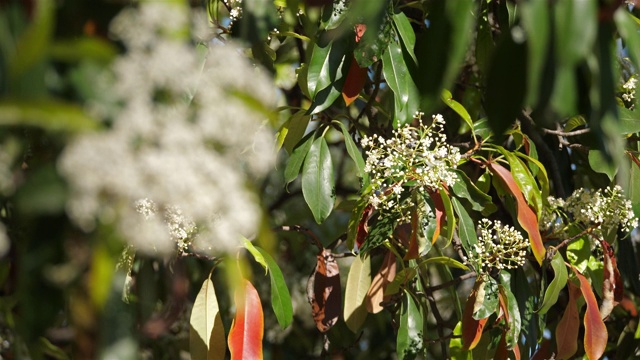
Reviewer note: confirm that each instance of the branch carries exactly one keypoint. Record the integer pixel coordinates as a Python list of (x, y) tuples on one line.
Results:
[(566, 134), (453, 282), (314, 239)]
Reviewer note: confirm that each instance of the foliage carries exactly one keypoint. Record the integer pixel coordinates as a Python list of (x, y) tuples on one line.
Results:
[(472, 168)]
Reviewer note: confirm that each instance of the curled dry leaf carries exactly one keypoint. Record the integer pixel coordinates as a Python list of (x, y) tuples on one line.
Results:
[(472, 328), (612, 286), (375, 295), (324, 292)]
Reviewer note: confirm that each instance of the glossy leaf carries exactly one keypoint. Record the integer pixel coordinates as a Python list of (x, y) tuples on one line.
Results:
[(567, 329), (524, 180), (353, 150), (450, 218), (466, 189), (406, 33), (324, 291), (354, 82), (299, 153), (579, 251), (399, 79), (257, 256), (280, 296), (376, 293), (526, 217), (466, 228), (318, 184), (471, 327), (247, 329), (557, 284), (334, 14), (487, 300), (326, 65), (512, 312), (447, 98), (595, 332), (358, 283), (295, 129), (206, 336), (410, 341)]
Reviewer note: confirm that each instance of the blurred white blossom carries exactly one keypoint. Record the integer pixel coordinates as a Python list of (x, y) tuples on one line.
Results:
[(184, 148)]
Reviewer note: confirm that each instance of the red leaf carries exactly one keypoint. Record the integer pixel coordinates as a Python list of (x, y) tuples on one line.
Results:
[(544, 351), (385, 275), (628, 304), (440, 211), (360, 29), (472, 328), (567, 329), (501, 352), (595, 332), (526, 216), (354, 82), (324, 292), (413, 250), (245, 336), (363, 229)]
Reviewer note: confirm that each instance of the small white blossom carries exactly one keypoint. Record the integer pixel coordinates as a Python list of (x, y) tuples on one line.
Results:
[(499, 247), (603, 209)]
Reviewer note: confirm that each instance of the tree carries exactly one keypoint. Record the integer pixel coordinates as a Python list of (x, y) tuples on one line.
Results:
[(461, 178)]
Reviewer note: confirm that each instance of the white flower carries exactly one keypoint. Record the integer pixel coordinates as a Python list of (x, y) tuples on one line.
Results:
[(499, 247), (183, 140)]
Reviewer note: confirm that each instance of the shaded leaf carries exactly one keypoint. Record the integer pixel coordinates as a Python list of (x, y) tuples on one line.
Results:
[(410, 341), (353, 150), (510, 308), (466, 228), (612, 287), (471, 327), (447, 98), (318, 187), (33, 43), (599, 163), (413, 246), (466, 189), (280, 296), (595, 332), (295, 129), (299, 153), (567, 329), (396, 72), (376, 293), (50, 115), (324, 292), (557, 284), (358, 283), (206, 336), (526, 217), (325, 65), (247, 329), (628, 121), (354, 82), (440, 212), (536, 21), (405, 33)]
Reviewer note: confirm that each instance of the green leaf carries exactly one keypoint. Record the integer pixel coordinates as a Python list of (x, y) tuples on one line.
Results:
[(375, 16), (280, 297), (578, 251), (575, 30), (358, 283), (299, 153), (325, 65), (444, 260), (51, 115), (82, 49), (633, 190), (401, 279), (297, 125), (466, 229), (353, 150), (318, 187), (447, 98), (410, 338), (206, 336), (628, 29), (466, 189), (628, 121), (406, 33), (524, 180), (451, 219), (334, 14), (486, 300), (536, 21), (599, 163), (406, 96), (33, 43), (515, 323), (557, 284), (257, 256)]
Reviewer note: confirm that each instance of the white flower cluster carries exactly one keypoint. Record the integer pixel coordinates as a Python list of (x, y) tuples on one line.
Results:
[(603, 209), (235, 9), (629, 89), (184, 140), (551, 218), (499, 247), (417, 158)]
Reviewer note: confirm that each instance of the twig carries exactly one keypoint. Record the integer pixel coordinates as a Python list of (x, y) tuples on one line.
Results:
[(453, 282), (443, 338), (574, 237), (439, 321), (314, 239), (566, 134)]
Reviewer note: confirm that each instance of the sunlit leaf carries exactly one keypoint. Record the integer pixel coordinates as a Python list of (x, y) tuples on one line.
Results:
[(396, 72), (247, 329), (444, 260), (471, 327), (280, 297), (447, 98), (358, 283), (440, 214), (557, 284), (324, 292), (206, 336), (325, 65), (467, 189), (526, 217), (376, 293), (406, 33), (257, 256), (318, 184), (595, 332), (487, 300), (612, 288)]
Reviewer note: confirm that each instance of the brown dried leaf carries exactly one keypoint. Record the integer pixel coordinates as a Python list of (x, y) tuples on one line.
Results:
[(324, 292)]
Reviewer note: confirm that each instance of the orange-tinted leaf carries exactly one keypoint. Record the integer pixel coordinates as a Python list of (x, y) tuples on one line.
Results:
[(472, 328), (628, 304), (595, 332), (363, 229), (360, 29), (354, 82), (502, 352), (526, 216), (245, 336), (324, 292), (612, 287), (567, 329), (387, 273), (440, 211)]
